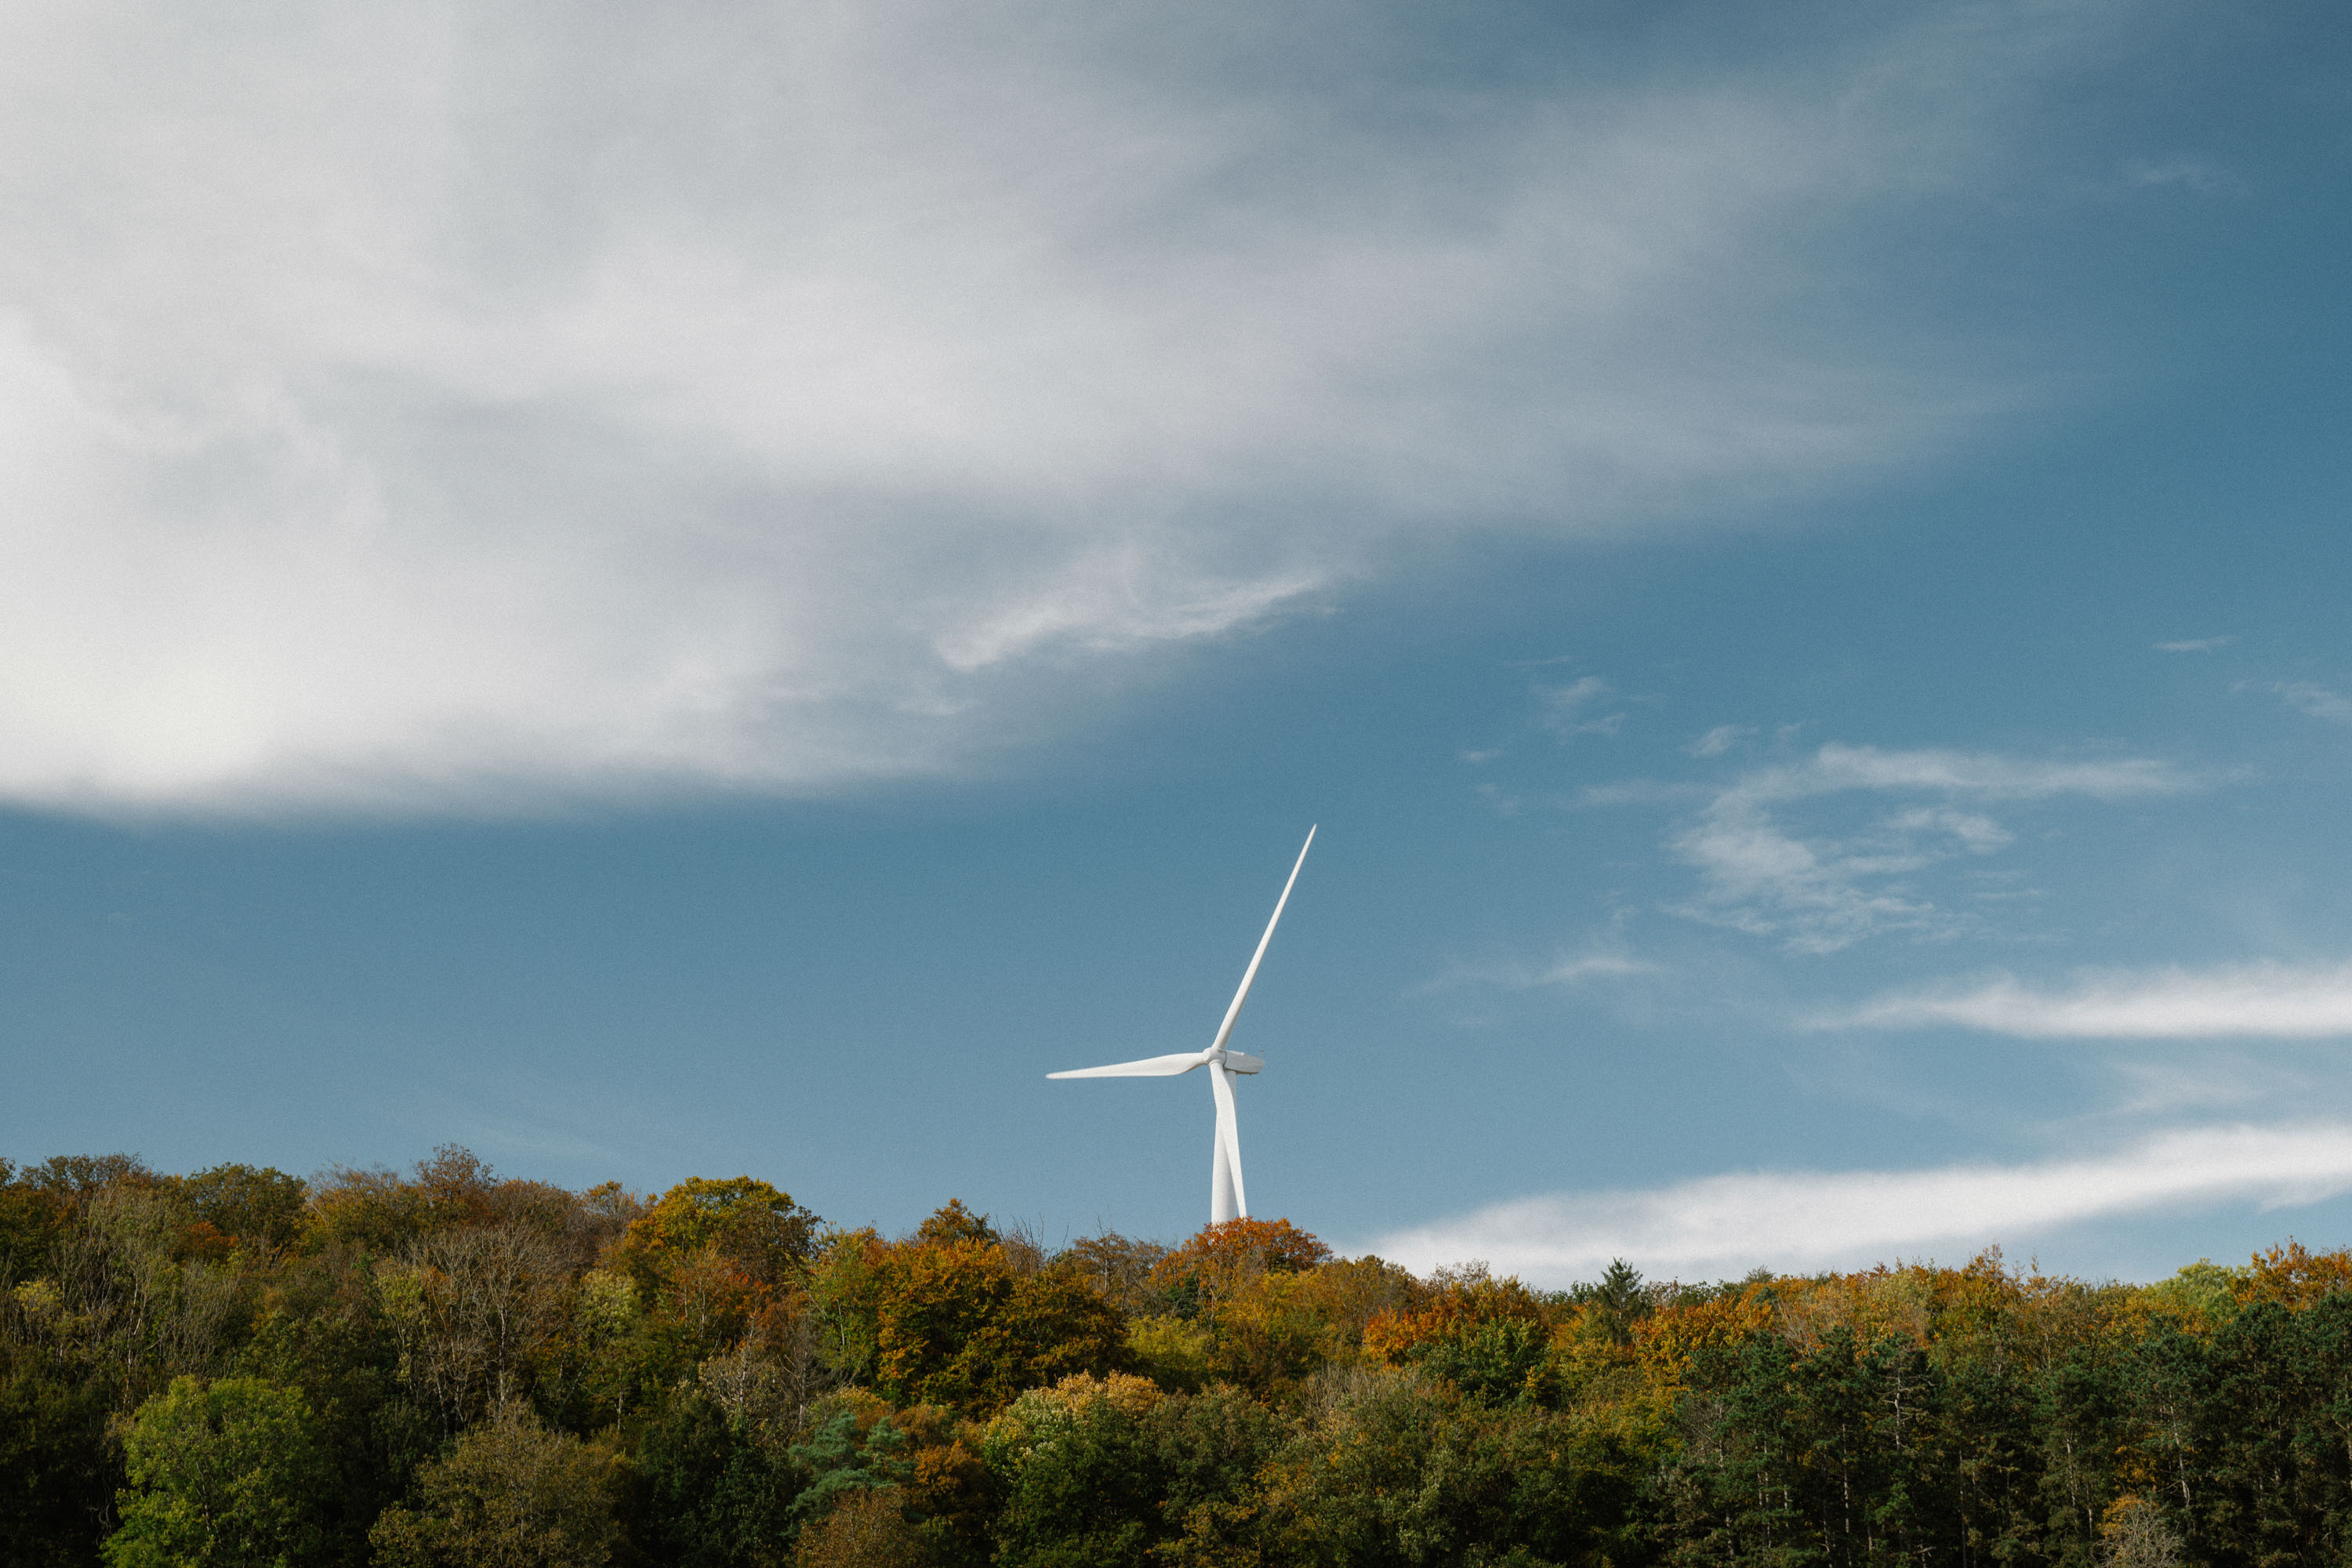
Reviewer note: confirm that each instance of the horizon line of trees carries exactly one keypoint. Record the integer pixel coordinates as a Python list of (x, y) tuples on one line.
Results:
[(449, 1367)]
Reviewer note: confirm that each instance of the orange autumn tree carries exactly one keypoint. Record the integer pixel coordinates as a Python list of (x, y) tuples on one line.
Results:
[(2294, 1276), (1462, 1301), (1222, 1262), (952, 1316), (1242, 1293), (716, 1260), (1488, 1336)]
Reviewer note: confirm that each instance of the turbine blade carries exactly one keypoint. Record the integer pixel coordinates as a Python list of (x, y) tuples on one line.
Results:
[(1226, 1029), (1149, 1067), (1229, 1134)]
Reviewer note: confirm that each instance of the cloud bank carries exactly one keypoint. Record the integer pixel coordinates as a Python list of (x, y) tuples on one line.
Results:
[(2275, 1001), (422, 407), (1722, 1226)]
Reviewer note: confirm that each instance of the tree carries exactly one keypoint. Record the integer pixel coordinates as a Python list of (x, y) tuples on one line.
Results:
[(760, 1232), (222, 1473), (511, 1494), (253, 1206), (57, 1470), (1104, 1471), (472, 1308), (958, 1325), (869, 1530), (1221, 1259), (1395, 1467)]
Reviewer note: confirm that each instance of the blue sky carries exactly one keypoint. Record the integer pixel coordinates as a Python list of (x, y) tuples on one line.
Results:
[(664, 595)]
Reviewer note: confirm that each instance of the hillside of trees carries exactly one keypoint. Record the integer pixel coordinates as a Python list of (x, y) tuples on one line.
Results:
[(448, 1368)]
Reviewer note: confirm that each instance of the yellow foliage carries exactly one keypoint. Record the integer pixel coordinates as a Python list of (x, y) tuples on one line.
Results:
[(1018, 1424), (1668, 1340), (1459, 1303), (866, 1529), (1172, 1352), (2295, 1276)]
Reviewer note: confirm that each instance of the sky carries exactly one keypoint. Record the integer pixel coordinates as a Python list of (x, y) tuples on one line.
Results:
[(660, 593)]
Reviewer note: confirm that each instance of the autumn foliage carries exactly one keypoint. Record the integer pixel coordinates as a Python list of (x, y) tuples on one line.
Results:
[(449, 1366)]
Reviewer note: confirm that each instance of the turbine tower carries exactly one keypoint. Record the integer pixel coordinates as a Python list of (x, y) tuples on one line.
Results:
[(1227, 1197)]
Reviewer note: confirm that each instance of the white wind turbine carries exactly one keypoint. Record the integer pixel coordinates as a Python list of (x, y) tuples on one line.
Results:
[(1227, 1198)]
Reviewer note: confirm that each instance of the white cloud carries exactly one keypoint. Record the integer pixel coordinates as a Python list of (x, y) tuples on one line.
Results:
[(1721, 1226), (1567, 710), (1594, 966), (1568, 970), (1822, 891), (425, 404), (2255, 1000), (1988, 775), (2317, 700), (2199, 175), (1565, 699), (1720, 739), (2195, 645)]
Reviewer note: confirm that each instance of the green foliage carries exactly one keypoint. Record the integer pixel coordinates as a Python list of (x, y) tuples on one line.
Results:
[(222, 1475), (511, 1494), (1173, 1351), (1112, 1472), (32, 1218), (58, 1471), (1616, 1301), (953, 1223), (253, 1206), (2203, 1289), (758, 1230), (1499, 1360), (718, 1488), (445, 1366), (1835, 1452), (845, 1454), (1400, 1468)]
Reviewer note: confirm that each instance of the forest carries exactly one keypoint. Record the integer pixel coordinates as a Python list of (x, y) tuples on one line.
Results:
[(447, 1367)]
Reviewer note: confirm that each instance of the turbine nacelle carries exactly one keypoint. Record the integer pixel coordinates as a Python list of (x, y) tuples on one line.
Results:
[(1174, 1066), (1227, 1198)]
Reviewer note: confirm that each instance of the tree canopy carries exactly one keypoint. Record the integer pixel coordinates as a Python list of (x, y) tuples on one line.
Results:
[(445, 1365)]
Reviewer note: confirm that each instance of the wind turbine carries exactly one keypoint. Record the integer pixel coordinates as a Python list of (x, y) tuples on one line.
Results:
[(1227, 1197)]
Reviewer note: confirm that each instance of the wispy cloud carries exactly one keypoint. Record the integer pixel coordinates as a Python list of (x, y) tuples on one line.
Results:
[(1570, 709), (2310, 697), (1988, 775), (1724, 1225), (1566, 970), (1720, 739), (2195, 645), (1822, 891), (415, 407), (2202, 177), (2255, 1000)]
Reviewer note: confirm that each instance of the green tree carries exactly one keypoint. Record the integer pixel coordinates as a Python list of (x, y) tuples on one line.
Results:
[(221, 1473), (1396, 1467), (511, 1494), (254, 1206), (1095, 1473), (55, 1468), (718, 1486)]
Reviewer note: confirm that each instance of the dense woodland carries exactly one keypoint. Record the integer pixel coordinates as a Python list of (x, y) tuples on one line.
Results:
[(239, 1367)]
